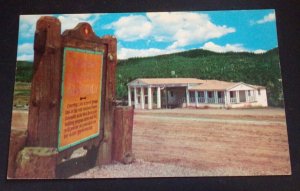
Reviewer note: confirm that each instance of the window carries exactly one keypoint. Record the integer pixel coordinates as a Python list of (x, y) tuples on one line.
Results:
[(220, 94), (210, 94), (249, 94), (231, 94), (192, 94), (258, 91), (171, 93), (201, 94)]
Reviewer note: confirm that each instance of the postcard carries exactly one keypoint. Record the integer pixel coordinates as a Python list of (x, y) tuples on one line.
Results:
[(200, 91)]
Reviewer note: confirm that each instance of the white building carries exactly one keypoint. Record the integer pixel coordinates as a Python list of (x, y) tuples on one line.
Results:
[(191, 92)]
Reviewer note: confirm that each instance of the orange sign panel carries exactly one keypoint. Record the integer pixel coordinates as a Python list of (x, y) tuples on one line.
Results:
[(80, 97)]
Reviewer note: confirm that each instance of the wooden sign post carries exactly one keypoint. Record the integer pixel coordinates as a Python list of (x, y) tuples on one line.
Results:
[(73, 90)]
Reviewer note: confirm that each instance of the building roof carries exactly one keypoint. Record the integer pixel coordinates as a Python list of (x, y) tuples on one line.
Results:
[(221, 85), (166, 81), (214, 85), (191, 83), (258, 87)]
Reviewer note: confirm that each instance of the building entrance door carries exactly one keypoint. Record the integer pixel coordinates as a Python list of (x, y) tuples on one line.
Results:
[(242, 96)]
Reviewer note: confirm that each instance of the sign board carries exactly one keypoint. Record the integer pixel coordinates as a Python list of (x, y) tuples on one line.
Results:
[(81, 91), (72, 90)]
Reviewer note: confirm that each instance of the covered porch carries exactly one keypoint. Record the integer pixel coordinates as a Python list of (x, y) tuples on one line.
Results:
[(219, 98), (145, 97), (156, 97), (156, 93)]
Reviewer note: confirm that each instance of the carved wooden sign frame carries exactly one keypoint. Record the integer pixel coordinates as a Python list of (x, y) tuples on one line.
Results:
[(73, 89)]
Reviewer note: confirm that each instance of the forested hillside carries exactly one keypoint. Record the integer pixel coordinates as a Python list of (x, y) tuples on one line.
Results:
[(257, 69), (24, 71)]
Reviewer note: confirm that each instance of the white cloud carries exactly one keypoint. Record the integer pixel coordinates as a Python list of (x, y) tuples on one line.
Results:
[(259, 51), (179, 28), (131, 28), (124, 53), (68, 21), (26, 48), (25, 57), (268, 18), (183, 28), (27, 25), (229, 48), (25, 51)]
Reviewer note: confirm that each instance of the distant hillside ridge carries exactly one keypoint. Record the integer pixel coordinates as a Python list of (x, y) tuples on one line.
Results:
[(24, 71), (258, 69)]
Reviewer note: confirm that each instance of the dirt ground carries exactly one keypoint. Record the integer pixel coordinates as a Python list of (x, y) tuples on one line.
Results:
[(202, 142), (242, 141)]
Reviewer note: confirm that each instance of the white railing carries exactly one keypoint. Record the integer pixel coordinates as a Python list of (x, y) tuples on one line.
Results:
[(210, 100), (233, 100), (201, 100), (192, 99), (251, 99), (220, 100)]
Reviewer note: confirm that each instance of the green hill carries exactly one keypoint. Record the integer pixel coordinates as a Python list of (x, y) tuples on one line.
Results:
[(24, 71), (258, 69)]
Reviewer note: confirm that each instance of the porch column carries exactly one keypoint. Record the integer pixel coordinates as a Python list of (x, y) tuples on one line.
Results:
[(196, 98), (237, 95), (246, 96), (136, 101), (216, 96), (227, 98), (142, 98), (166, 97), (149, 98), (187, 97), (129, 96), (158, 98), (205, 97)]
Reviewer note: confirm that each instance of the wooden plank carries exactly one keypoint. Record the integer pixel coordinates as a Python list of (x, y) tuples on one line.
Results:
[(105, 149), (122, 135), (17, 142), (36, 162), (45, 89), (118, 141), (128, 128)]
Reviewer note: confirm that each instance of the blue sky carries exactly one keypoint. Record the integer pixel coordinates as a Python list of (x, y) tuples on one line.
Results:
[(154, 33)]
